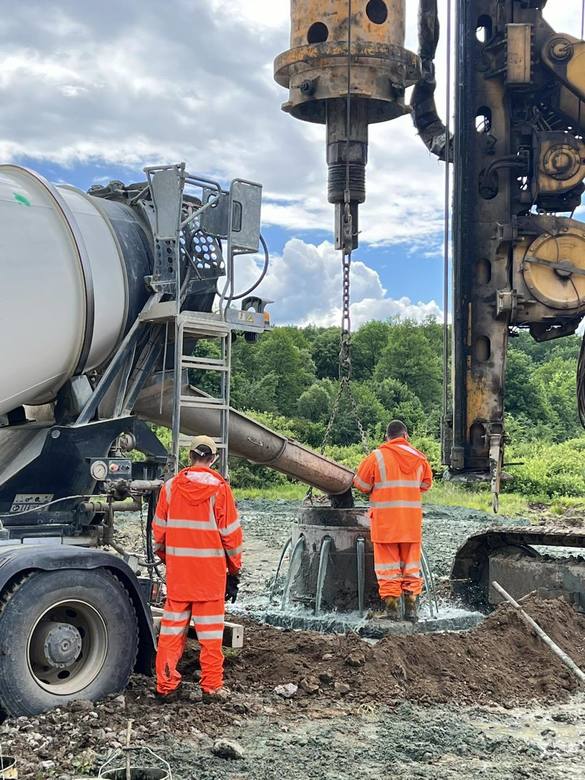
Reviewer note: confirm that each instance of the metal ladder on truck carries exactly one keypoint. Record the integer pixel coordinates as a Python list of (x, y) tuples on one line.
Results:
[(234, 217)]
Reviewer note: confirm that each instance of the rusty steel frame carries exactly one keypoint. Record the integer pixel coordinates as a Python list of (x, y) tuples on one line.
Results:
[(525, 83)]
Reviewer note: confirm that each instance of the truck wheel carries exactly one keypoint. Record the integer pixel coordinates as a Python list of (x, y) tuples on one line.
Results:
[(65, 635)]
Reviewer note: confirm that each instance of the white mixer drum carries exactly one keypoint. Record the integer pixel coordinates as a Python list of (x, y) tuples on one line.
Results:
[(63, 296)]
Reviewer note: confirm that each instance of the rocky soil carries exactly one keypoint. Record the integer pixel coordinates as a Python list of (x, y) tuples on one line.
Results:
[(489, 703)]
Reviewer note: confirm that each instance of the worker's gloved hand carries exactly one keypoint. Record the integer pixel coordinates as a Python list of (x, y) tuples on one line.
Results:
[(232, 587)]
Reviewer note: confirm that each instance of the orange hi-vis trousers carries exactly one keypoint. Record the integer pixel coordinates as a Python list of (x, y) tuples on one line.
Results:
[(398, 568), (209, 621)]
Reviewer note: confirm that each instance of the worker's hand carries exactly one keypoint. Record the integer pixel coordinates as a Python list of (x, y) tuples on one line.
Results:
[(232, 587)]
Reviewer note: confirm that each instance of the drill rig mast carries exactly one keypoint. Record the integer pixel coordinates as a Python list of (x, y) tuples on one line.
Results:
[(519, 164)]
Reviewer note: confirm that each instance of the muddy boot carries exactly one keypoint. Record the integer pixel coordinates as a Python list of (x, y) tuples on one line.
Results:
[(410, 607), (169, 698), (221, 695), (392, 605)]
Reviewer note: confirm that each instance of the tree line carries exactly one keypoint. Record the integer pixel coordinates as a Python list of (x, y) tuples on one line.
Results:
[(290, 379)]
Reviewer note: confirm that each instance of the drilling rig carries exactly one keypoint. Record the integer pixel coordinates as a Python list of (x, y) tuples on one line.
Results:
[(518, 158)]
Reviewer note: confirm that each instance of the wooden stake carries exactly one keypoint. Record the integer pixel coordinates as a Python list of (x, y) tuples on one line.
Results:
[(128, 739), (569, 663)]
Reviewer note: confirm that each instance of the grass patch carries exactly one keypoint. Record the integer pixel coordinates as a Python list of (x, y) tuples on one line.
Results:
[(445, 494), (449, 494), (292, 492)]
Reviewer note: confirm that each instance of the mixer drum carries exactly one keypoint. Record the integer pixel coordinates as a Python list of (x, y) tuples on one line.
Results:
[(74, 260)]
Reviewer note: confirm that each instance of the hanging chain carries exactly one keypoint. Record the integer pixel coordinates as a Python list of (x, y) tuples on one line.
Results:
[(345, 361)]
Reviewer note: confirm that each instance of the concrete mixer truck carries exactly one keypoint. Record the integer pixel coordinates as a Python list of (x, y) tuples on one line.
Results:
[(103, 297)]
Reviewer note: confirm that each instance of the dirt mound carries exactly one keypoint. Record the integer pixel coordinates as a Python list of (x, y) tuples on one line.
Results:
[(500, 662)]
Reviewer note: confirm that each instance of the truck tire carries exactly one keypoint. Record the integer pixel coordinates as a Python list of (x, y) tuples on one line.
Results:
[(65, 635)]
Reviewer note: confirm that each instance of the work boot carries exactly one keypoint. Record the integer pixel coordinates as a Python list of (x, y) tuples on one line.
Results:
[(169, 698), (392, 606), (219, 694), (410, 607)]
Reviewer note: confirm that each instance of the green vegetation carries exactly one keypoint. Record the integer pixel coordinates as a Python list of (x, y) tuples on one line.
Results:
[(288, 380)]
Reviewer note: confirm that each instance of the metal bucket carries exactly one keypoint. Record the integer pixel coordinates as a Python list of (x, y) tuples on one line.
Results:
[(151, 773), (8, 770), (119, 764)]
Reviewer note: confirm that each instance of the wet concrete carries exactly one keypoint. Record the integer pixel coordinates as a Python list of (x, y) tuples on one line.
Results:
[(267, 526), (408, 742)]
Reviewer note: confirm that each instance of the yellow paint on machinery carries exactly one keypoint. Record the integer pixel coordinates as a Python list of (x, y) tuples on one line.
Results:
[(315, 68), (554, 267), (320, 70), (561, 162), (519, 53)]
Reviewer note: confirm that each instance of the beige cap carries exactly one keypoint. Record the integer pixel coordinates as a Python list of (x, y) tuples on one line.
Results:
[(205, 441)]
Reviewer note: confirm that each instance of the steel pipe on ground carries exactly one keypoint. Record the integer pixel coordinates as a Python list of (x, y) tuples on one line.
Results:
[(248, 439)]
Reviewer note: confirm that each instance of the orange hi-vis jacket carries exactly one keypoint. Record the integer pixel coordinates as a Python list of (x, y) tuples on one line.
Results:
[(197, 534), (394, 476)]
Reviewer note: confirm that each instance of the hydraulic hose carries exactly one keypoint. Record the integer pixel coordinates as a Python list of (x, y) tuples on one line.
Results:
[(151, 561), (260, 279), (425, 116), (581, 383)]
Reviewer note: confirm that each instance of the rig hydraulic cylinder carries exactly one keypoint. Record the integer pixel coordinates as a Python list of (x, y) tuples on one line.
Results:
[(320, 70)]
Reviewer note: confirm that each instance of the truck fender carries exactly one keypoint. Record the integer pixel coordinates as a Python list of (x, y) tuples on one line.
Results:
[(18, 560)]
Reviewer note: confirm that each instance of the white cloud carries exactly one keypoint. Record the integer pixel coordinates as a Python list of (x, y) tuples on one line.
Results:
[(144, 81), (133, 83), (305, 283)]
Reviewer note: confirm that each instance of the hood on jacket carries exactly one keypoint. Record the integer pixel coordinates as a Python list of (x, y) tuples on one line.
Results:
[(409, 459), (198, 484)]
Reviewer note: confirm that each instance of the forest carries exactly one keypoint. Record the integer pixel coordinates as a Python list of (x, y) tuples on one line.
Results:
[(289, 380)]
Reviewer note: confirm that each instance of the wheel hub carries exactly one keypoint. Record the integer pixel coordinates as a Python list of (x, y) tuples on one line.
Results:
[(61, 643), (67, 647)]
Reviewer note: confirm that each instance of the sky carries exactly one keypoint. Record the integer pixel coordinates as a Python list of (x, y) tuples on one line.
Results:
[(95, 91)]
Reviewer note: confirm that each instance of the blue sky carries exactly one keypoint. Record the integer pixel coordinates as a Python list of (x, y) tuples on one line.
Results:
[(90, 96)]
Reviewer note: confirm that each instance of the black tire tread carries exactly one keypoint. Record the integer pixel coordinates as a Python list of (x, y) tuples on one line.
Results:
[(15, 586)]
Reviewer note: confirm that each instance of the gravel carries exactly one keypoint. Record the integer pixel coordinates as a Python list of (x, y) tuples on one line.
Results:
[(409, 708)]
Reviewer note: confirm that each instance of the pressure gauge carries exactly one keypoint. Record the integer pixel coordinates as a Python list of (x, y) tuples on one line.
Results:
[(99, 470)]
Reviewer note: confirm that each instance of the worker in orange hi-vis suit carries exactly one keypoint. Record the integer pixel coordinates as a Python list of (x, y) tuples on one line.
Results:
[(197, 534), (394, 476)]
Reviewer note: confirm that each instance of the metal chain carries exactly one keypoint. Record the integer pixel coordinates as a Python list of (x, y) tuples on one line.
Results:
[(345, 361)]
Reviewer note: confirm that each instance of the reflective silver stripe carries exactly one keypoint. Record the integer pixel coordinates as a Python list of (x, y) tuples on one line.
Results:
[(193, 525), (208, 619), (158, 546), (209, 635), (395, 504), (388, 566), (161, 522), (235, 551), (202, 477), (388, 577), (415, 565), (398, 483), (361, 483), (230, 528), (168, 486), (381, 466), (195, 552), (174, 630), (177, 615), (408, 449)]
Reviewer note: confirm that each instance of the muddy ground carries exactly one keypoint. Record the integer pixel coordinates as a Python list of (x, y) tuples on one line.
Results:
[(489, 703)]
